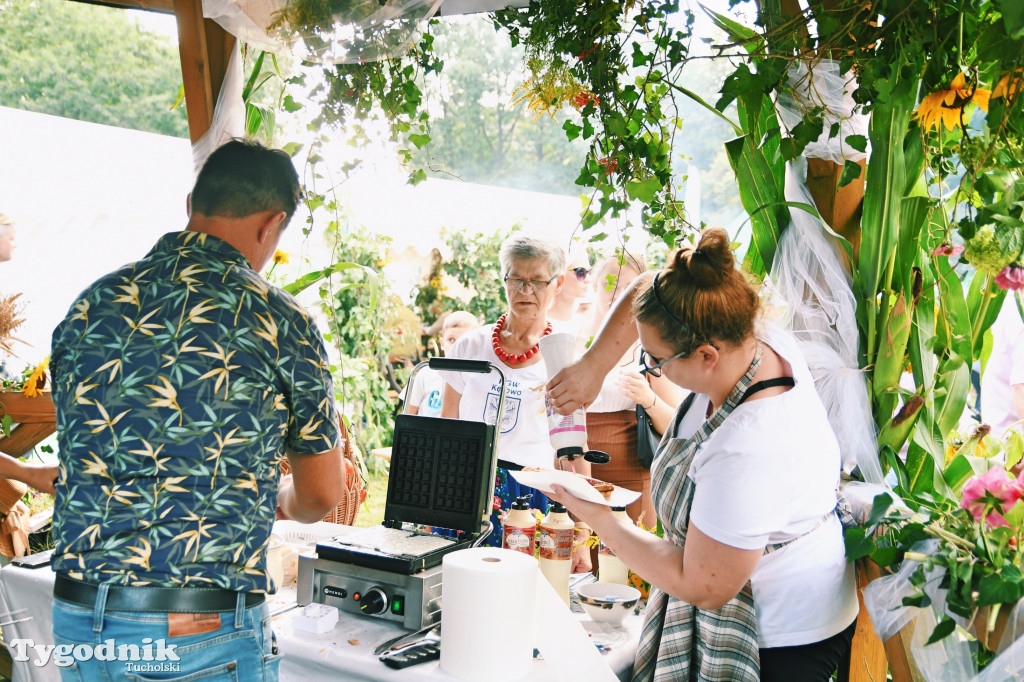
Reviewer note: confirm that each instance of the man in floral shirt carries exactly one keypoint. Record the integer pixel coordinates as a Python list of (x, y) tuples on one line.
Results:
[(180, 382)]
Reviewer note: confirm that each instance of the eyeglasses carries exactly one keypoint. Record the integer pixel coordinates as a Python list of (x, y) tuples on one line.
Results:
[(651, 365), (538, 285), (581, 273)]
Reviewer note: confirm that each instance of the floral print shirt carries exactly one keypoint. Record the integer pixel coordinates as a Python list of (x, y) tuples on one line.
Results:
[(179, 382)]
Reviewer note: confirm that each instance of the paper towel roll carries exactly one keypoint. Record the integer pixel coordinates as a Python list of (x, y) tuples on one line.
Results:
[(487, 617), (558, 350)]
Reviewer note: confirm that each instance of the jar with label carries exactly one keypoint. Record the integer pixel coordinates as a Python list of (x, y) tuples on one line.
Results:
[(519, 527), (610, 568), (556, 549)]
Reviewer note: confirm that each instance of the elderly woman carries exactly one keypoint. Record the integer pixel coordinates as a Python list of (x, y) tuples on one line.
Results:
[(533, 269), (751, 580)]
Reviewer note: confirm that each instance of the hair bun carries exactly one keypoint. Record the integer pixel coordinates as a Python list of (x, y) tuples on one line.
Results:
[(711, 262)]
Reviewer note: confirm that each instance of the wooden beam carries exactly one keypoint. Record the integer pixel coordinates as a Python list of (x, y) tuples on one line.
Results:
[(163, 6), (204, 48)]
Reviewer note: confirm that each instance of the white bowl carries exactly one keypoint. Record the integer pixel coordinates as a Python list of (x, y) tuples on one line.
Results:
[(608, 602)]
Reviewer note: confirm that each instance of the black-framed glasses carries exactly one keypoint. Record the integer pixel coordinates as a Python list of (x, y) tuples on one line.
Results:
[(538, 285), (652, 366), (581, 273)]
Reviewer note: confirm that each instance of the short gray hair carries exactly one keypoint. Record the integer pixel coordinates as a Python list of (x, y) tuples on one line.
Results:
[(531, 247), (460, 319)]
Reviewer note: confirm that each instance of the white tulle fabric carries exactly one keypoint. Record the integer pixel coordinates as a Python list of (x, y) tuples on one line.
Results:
[(823, 86), (228, 114), (948, 660), (361, 31), (810, 291)]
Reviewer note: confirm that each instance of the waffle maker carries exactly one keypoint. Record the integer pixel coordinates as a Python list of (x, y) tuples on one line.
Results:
[(442, 475)]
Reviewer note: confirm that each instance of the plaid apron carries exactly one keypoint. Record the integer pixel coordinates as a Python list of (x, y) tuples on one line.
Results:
[(680, 641)]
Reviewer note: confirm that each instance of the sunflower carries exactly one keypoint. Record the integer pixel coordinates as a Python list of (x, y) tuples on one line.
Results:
[(37, 379), (944, 107), (1004, 88)]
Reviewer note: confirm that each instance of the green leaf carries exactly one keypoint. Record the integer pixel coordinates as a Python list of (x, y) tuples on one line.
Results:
[(643, 190), (957, 472), (420, 140), (1013, 16), (858, 543), (892, 349), (879, 506), (1014, 449), (418, 176), (993, 589), (945, 628), (1015, 517), (851, 171), (311, 278), (292, 148), (858, 142), (290, 105), (572, 131)]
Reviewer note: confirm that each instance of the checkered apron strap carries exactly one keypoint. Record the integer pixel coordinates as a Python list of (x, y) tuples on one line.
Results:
[(678, 640)]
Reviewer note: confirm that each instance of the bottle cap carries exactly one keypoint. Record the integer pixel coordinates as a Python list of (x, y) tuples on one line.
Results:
[(522, 502), (556, 508), (571, 452)]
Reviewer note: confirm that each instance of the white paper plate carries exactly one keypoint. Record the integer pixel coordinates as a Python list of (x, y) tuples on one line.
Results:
[(543, 480)]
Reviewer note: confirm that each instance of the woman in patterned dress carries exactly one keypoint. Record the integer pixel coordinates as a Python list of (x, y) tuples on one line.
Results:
[(750, 580)]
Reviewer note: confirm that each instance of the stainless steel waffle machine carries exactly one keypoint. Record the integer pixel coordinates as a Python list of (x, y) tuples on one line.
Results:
[(441, 476)]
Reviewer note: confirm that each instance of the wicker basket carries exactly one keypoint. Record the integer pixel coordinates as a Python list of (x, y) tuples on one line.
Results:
[(355, 490)]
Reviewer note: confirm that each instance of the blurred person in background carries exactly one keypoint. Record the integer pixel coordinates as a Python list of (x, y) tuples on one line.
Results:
[(428, 390)]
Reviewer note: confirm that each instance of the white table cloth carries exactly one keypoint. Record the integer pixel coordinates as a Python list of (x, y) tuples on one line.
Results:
[(346, 652)]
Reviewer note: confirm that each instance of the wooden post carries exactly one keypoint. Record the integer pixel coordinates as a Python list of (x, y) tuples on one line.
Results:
[(204, 48)]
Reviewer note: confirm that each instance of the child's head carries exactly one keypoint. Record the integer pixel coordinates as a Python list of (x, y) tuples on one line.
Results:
[(454, 326)]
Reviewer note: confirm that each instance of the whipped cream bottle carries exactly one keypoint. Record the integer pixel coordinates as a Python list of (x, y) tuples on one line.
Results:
[(519, 527), (556, 549), (568, 432), (610, 568)]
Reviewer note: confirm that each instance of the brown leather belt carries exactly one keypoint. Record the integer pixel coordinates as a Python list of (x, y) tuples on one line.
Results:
[(153, 599)]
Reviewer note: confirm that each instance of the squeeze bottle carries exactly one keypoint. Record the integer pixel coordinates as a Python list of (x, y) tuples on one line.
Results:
[(519, 527), (610, 568), (556, 549)]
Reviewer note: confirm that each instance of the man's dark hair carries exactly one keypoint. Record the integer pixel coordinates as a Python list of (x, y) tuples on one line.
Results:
[(243, 177)]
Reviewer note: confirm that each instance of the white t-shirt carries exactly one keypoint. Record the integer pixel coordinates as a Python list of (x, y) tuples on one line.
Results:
[(1004, 369), (427, 392), (766, 475), (524, 428)]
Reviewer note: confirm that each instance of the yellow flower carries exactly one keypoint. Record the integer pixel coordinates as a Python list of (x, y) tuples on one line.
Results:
[(280, 257), (37, 380), (944, 107), (1004, 88)]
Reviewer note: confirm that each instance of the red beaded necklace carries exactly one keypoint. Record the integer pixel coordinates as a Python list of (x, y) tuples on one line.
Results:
[(510, 358)]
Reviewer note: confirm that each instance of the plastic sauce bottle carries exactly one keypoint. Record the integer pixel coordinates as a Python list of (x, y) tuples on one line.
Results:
[(556, 549), (519, 527), (610, 567)]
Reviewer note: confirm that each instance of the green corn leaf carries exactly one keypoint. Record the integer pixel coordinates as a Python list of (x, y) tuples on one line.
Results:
[(891, 351)]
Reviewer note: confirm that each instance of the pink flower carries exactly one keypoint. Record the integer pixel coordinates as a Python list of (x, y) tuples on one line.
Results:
[(977, 494), (947, 249), (1011, 277)]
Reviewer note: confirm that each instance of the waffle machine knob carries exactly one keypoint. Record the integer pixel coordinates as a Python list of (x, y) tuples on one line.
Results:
[(374, 602)]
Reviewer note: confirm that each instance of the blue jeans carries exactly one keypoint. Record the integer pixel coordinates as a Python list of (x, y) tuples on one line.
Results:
[(243, 649)]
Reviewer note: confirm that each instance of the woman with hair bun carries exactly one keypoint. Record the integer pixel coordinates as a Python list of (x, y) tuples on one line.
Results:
[(751, 580)]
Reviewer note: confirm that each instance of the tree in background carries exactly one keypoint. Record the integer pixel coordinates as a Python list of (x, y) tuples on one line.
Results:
[(88, 63), (476, 132)]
